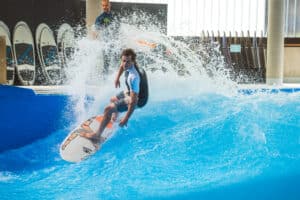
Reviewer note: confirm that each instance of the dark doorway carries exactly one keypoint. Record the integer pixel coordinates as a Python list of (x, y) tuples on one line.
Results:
[(34, 12)]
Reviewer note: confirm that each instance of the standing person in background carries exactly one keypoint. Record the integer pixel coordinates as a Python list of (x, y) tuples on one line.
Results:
[(102, 21), (103, 32), (105, 18)]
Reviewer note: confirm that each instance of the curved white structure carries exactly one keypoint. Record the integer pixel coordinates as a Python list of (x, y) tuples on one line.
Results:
[(24, 53), (65, 42), (48, 54)]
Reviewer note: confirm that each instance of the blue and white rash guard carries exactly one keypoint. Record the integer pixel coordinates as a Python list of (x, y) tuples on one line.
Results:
[(132, 79)]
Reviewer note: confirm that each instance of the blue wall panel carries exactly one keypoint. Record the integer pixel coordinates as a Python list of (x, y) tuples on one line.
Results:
[(26, 116)]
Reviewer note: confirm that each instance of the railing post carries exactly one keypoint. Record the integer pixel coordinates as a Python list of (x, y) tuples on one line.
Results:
[(275, 47), (93, 9)]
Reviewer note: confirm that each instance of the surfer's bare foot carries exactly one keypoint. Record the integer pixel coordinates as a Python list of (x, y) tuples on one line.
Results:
[(91, 136), (114, 117)]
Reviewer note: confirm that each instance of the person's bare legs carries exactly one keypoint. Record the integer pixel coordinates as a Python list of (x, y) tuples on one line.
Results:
[(114, 99), (106, 118), (114, 115), (96, 137)]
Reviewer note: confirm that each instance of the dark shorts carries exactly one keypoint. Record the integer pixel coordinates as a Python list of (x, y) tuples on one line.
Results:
[(122, 102)]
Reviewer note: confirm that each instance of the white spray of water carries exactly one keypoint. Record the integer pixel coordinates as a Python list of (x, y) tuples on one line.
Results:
[(174, 70)]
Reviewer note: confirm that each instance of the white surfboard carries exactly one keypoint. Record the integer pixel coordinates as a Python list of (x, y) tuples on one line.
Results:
[(65, 43), (24, 53), (48, 54), (76, 148), (10, 60)]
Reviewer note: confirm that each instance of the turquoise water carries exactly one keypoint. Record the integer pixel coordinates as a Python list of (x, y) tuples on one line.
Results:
[(207, 146), (197, 138)]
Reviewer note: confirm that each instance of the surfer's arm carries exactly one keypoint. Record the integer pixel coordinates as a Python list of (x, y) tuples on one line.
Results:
[(131, 105), (117, 80)]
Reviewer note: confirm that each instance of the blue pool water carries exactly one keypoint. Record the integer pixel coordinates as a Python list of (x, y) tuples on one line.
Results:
[(208, 146), (197, 138)]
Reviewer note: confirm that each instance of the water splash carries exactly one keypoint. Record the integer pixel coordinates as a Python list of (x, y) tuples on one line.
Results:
[(181, 146), (171, 65)]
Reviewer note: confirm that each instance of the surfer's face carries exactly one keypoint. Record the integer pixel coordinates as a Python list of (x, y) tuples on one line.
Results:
[(126, 62)]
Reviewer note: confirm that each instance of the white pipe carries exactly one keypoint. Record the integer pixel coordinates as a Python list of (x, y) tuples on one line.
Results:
[(93, 9)]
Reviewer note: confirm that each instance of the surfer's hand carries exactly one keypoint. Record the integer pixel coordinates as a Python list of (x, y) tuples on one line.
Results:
[(123, 122), (117, 83)]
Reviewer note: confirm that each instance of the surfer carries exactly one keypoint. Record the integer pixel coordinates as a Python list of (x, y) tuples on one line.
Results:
[(136, 94)]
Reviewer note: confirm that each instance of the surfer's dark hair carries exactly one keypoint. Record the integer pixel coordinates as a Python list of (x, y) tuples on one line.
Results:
[(130, 52)]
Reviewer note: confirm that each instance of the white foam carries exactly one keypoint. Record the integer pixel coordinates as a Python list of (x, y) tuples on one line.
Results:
[(7, 176), (183, 73)]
